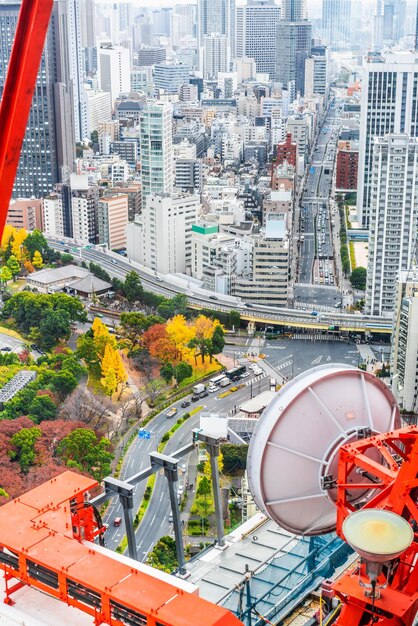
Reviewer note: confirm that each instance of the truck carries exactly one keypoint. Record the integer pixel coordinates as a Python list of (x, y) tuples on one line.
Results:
[(198, 388), (225, 382), (171, 413)]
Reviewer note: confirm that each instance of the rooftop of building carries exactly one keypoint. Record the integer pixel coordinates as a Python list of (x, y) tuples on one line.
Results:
[(67, 272), (258, 403)]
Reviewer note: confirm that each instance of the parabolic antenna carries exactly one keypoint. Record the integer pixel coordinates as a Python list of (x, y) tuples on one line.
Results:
[(293, 454)]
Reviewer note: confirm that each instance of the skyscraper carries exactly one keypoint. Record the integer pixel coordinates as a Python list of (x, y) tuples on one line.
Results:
[(404, 363), (336, 22), (156, 148), (49, 143), (68, 55), (293, 46), (256, 33), (216, 17), (393, 219), (389, 104), (294, 10)]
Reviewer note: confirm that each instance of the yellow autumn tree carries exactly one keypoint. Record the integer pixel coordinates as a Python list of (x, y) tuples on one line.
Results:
[(17, 244), (204, 327), (37, 260), (181, 333), (13, 238), (109, 382), (113, 371), (101, 337)]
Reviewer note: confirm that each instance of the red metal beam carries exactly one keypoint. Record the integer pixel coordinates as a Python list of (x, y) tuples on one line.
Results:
[(18, 91)]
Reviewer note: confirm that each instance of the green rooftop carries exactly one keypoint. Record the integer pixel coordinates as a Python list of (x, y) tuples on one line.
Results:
[(205, 229)]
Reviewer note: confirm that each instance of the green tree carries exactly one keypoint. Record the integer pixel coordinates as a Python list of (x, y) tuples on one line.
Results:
[(204, 489), (133, 324), (42, 408), (55, 325), (234, 319), (24, 442), (36, 242), (164, 556), (358, 278), (64, 383), (82, 450), (132, 287), (234, 457), (218, 341), (182, 371), (167, 372), (14, 266), (5, 275)]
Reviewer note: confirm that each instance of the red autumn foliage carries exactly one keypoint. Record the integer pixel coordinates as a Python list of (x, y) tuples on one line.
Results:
[(158, 343)]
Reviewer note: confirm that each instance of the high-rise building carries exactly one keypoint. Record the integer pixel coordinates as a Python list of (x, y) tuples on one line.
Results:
[(393, 219), (215, 55), (294, 10), (84, 199), (156, 148), (404, 362), (49, 143), (87, 21), (216, 17), (317, 71), (287, 151), (293, 47), (336, 23), (171, 76), (161, 237), (114, 70), (112, 219), (389, 104), (394, 16), (256, 24), (68, 56)]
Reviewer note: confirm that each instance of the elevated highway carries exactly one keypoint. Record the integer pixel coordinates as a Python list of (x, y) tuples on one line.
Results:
[(118, 266)]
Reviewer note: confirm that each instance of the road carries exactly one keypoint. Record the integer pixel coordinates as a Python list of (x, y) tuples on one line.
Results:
[(118, 266), (155, 523), (316, 250)]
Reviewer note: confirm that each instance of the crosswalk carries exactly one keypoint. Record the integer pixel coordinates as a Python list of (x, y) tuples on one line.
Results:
[(256, 379), (317, 337)]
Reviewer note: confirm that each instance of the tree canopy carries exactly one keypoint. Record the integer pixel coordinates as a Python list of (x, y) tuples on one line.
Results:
[(358, 278)]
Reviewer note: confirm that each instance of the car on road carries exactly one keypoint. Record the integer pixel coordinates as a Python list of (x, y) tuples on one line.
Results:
[(245, 375), (248, 305), (195, 398), (33, 346), (117, 521), (203, 394), (213, 298), (189, 293), (170, 518), (113, 261), (6, 349), (66, 249), (213, 388), (184, 404), (315, 313), (158, 279)]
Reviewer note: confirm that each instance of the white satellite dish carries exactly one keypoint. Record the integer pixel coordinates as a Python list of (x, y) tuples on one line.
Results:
[(293, 453)]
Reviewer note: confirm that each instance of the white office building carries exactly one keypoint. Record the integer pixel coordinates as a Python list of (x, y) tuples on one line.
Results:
[(215, 55), (114, 70), (53, 218), (160, 238), (84, 200), (317, 72), (256, 24), (404, 362), (156, 148), (169, 77), (389, 104), (98, 109), (393, 219)]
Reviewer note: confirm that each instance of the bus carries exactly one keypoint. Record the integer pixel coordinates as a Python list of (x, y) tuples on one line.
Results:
[(216, 380), (236, 372)]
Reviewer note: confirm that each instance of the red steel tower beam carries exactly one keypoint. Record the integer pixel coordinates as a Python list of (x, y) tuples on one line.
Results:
[(18, 91)]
